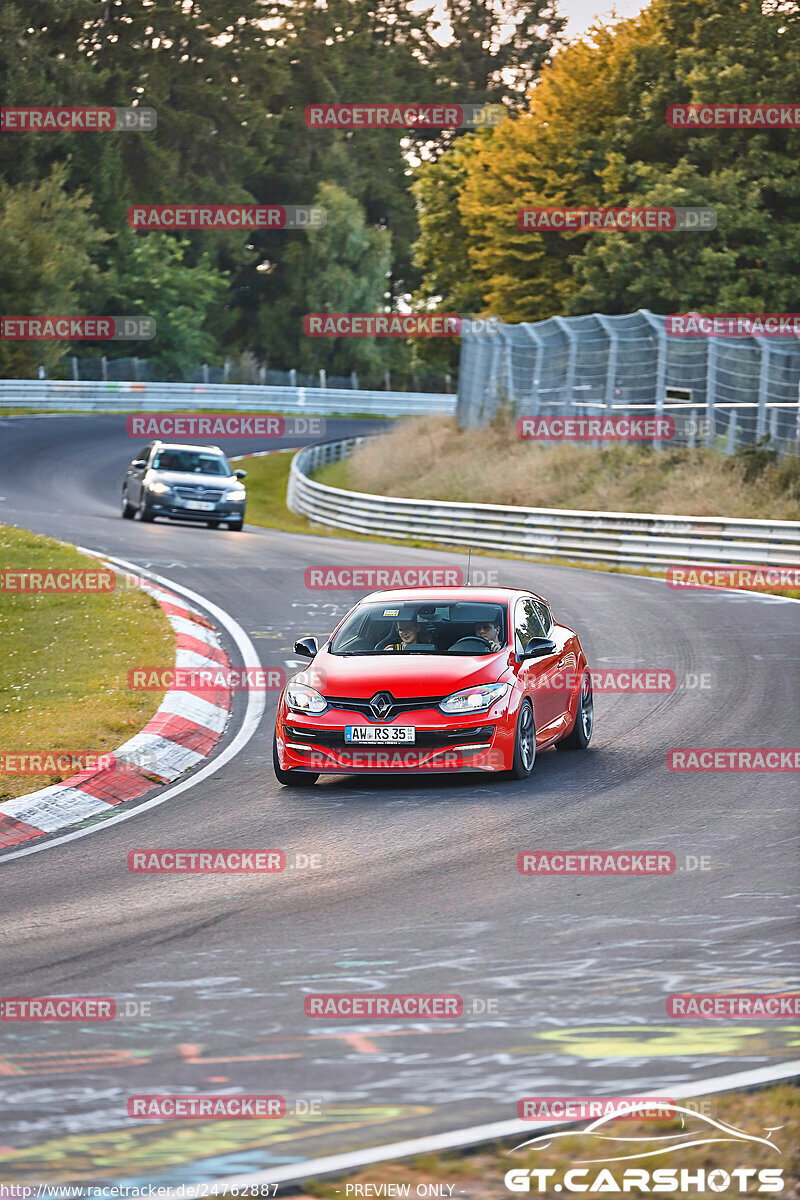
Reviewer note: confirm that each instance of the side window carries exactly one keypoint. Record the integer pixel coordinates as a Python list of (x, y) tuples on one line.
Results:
[(544, 615), (144, 452), (527, 624)]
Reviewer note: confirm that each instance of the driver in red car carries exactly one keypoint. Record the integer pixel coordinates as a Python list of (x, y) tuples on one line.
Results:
[(489, 632)]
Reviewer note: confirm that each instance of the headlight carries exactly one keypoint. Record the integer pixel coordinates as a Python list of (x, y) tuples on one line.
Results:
[(158, 487), (302, 698), (475, 699), (236, 494)]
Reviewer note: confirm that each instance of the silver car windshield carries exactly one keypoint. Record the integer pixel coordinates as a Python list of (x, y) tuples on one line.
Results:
[(191, 462), (429, 627)]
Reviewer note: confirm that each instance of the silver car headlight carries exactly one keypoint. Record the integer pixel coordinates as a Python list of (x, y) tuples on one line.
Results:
[(236, 494), (304, 699), (159, 488), (474, 699)]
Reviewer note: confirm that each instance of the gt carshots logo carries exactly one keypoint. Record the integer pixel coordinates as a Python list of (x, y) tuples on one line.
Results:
[(659, 1180), (587, 1178)]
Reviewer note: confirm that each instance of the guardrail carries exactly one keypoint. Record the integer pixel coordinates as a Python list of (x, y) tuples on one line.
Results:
[(643, 539), (74, 395)]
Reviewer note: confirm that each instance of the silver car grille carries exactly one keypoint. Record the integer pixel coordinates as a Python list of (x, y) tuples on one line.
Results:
[(198, 493)]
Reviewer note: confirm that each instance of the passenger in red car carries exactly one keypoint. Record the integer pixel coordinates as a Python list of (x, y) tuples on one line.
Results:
[(407, 635)]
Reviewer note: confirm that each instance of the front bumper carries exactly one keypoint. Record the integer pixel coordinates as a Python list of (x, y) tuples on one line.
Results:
[(223, 510), (478, 742)]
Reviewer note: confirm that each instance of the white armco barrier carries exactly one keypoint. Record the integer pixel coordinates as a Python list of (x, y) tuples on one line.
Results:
[(645, 539)]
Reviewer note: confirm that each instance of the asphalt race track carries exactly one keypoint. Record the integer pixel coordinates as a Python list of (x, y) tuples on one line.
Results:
[(417, 888)]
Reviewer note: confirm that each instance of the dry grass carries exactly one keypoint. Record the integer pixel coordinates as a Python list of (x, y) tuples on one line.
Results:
[(428, 457)]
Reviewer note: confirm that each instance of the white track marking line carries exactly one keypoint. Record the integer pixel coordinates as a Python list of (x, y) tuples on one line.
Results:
[(256, 703), (478, 1134)]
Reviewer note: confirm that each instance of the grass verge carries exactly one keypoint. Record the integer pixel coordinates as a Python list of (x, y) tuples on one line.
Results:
[(430, 458), (479, 1174), (64, 660), (268, 478)]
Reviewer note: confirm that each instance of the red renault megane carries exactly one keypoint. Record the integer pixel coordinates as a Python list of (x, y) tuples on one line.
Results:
[(435, 680)]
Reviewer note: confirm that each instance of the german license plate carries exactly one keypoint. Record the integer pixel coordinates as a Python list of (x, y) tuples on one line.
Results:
[(389, 734), (200, 505)]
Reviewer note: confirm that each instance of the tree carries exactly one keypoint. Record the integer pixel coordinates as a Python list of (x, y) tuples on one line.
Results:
[(48, 242), (341, 267), (596, 134), (188, 302), (498, 47)]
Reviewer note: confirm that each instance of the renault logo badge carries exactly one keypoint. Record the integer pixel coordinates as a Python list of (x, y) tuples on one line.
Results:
[(380, 704)]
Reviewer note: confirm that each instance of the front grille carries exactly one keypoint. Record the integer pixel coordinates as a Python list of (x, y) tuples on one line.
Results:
[(362, 707), (198, 493), (426, 739)]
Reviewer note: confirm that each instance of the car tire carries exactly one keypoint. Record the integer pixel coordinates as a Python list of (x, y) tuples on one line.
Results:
[(524, 743), (145, 512), (127, 510), (290, 778), (581, 733), (235, 526)]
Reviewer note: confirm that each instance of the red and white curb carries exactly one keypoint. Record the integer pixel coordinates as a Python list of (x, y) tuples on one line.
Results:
[(181, 733)]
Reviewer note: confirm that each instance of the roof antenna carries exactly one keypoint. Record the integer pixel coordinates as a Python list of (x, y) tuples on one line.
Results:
[(469, 562)]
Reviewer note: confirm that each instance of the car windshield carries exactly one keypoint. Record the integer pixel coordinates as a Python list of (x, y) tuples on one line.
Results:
[(423, 627), (191, 462)]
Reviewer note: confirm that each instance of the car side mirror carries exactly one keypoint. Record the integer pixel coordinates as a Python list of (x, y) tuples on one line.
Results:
[(139, 462), (308, 647), (240, 474), (539, 646)]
